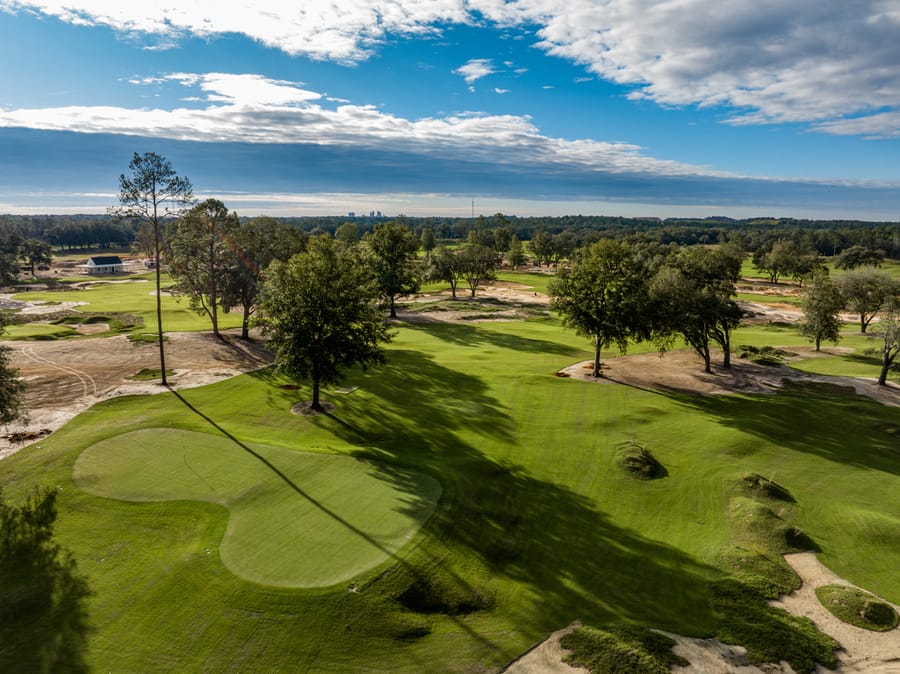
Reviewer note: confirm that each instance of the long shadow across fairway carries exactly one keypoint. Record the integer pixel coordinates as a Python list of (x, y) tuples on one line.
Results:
[(397, 476), (847, 429), (553, 540), (567, 559)]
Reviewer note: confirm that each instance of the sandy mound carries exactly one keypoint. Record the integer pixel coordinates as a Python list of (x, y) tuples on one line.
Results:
[(682, 371)]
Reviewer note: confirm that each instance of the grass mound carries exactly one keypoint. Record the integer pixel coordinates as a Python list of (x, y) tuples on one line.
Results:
[(754, 484), (762, 527), (855, 607), (639, 462), (621, 650), (436, 594), (296, 519), (764, 355)]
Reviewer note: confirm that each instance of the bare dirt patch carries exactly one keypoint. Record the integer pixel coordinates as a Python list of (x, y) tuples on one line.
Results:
[(509, 301), (66, 377), (682, 371)]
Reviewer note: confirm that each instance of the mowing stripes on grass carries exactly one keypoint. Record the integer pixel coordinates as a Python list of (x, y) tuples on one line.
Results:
[(297, 519)]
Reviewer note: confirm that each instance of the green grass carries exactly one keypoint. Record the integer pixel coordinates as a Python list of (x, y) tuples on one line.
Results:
[(858, 608), (535, 526), (38, 331), (134, 295), (295, 519)]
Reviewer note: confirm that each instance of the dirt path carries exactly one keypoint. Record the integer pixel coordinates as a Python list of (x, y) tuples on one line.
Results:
[(682, 371), (64, 378)]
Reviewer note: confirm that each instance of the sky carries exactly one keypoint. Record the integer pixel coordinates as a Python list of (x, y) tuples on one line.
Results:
[(685, 108)]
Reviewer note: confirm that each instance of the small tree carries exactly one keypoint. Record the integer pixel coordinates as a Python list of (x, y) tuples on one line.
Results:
[(822, 303), (889, 332), (198, 247), (396, 268), (541, 246), (10, 242), (348, 233), (865, 292), (692, 296), (251, 248), (320, 310), (427, 241), (601, 296), (12, 389), (477, 264), (515, 255), (35, 252), (445, 265), (153, 193), (858, 256)]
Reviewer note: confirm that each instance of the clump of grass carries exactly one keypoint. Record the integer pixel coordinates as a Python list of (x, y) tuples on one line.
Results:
[(621, 650), (639, 462), (764, 572), (764, 355), (769, 634), (149, 374), (754, 484), (145, 338), (855, 607)]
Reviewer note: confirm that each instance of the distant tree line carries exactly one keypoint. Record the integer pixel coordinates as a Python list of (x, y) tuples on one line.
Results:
[(826, 237)]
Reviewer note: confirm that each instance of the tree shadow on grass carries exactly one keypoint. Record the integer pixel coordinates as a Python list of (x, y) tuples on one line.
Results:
[(43, 614), (855, 431), (573, 559), (475, 336)]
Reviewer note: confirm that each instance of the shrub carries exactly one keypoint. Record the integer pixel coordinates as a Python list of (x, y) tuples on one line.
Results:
[(857, 607)]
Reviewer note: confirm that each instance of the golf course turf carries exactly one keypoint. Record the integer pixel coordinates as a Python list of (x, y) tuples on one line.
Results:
[(202, 557), (296, 519)]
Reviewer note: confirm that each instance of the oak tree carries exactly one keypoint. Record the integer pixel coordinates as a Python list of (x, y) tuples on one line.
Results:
[(320, 311)]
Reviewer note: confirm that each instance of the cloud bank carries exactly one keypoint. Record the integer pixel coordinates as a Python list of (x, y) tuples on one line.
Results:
[(832, 65)]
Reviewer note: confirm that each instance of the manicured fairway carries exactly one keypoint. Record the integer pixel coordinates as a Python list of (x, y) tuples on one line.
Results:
[(296, 519), (535, 526)]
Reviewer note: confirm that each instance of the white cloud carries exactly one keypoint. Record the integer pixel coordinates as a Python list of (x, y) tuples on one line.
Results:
[(770, 61), (252, 109), (475, 69), (498, 90)]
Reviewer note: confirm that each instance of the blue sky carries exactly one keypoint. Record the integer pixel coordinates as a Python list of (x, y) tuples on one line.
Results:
[(528, 107)]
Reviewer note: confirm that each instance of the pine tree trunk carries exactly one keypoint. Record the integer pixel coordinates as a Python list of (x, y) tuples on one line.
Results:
[(596, 372), (159, 326)]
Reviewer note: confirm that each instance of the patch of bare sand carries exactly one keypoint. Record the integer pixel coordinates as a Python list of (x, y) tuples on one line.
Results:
[(682, 371), (862, 651), (64, 378), (546, 657)]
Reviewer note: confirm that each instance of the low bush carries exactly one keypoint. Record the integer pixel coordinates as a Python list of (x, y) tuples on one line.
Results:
[(858, 608)]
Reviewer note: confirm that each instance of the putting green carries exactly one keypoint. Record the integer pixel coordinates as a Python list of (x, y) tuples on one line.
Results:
[(297, 519)]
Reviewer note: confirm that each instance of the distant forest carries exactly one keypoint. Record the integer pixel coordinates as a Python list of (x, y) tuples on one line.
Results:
[(827, 237)]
